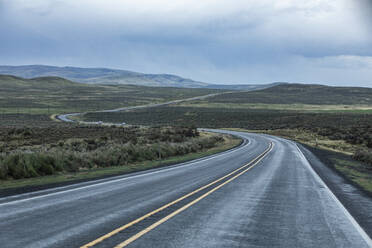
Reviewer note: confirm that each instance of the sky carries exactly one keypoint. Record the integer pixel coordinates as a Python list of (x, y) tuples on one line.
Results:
[(214, 41)]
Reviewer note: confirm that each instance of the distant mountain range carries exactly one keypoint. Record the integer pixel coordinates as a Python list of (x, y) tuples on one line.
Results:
[(112, 76)]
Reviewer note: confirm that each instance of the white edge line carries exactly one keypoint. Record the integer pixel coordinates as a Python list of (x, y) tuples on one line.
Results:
[(361, 231), (246, 142), (176, 166)]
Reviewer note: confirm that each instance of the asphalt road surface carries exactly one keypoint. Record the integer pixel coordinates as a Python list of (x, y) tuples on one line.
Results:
[(261, 194)]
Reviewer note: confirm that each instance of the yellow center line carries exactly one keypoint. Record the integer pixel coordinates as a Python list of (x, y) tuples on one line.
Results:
[(112, 233), (148, 229)]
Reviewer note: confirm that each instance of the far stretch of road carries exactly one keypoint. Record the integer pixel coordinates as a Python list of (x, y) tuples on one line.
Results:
[(67, 117), (261, 194)]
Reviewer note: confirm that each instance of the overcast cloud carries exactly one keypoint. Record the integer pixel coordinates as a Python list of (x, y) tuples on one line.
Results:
[(219, 41)]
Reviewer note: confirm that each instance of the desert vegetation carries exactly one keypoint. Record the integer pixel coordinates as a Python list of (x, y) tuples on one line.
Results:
[(353, 128), (300, 94), (34, 152), (364, 156)]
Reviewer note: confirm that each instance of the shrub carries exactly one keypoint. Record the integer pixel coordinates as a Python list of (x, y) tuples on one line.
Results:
[(364, 156), (3, 170), (73, 154), (46, 169), (69, 163), (369, 141), (16, 166)]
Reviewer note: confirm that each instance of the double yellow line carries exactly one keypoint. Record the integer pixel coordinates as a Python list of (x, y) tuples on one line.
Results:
[(242, 170)]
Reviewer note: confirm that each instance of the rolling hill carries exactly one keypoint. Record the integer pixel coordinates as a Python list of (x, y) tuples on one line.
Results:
[(55, 95), (100, 76), (301, 94), (112, 76)]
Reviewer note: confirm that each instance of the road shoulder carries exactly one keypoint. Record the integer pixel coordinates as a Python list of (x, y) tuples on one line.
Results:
[(356, 200)]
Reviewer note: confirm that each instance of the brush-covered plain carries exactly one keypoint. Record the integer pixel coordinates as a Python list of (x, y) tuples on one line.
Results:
[(27, 153)]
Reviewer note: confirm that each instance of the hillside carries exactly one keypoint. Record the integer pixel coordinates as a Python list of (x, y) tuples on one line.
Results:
[(242, 87), (12, 83), (301, 94), (112, 76), (55, 95), (100, 76)]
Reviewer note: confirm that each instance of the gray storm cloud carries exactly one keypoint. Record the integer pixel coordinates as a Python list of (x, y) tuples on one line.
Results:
[(365, 11), (240, 41)]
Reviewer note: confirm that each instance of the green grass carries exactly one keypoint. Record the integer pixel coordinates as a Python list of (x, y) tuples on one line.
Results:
[(229, 143)]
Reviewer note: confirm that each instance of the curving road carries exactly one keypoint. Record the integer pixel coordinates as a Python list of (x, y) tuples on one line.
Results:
[(261, 194), (66, 117)]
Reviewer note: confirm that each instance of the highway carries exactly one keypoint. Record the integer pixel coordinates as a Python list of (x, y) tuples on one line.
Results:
[(262, 194)]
